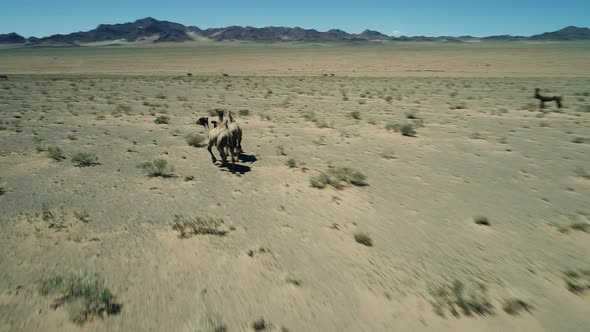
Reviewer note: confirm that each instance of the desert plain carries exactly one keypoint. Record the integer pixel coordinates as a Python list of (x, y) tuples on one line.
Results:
[(390, 187)]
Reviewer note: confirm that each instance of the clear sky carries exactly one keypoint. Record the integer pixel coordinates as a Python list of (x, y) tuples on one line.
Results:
[(41, 18)]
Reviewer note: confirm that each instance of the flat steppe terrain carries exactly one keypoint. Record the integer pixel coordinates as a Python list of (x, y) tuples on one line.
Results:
[(276, 247)]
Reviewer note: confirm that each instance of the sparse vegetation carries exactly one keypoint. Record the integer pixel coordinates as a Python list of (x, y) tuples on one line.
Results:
[(363, 238), (406, 129), (338, 177), (157, 168), (195, 140), (291, 163), (190, 226), (514, 306), (259, 325), (244, 112), (388, 154), (454, 297), (481, 220), (211, 323), (281, 150), (457, 105), (410, 114), (476, 135), (294, 281), (55, 153), (84, 159), (355, 115), (578, 281), (162, 119), (82, 215), (85, 295)]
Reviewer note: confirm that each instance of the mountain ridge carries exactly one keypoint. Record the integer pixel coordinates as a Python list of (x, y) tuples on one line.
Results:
[(152, 30)]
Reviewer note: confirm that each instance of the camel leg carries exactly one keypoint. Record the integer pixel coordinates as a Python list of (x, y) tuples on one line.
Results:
[(558, 101), (542, 104), (223, 155), (233, 159), (211, 153)]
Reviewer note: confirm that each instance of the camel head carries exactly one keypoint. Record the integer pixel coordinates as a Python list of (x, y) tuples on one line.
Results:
[(204, 121), (214, 123)]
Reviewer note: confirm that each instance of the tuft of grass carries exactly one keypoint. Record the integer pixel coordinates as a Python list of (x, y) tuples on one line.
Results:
[(260, 324), (515, 306), (294, 281), (244, 112), (195, 140), (55, 153), (457, 105), (481, 220), (84, 159), (410, 114), (82, 215), (190, 226), (455, 296), (363, 238), (2, 191), (281, 150), (162, 119), (388, 154), (407, 129), (211, 323), (291, 163), (579, 140), (355, 115), (577, 282), (338, 177), (476, 135), (85, 294), (157, 168)]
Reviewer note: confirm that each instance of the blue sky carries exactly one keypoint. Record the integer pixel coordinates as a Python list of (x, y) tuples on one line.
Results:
[(418, 17)]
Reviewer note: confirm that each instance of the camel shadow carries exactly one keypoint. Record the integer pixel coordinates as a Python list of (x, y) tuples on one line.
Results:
[(237, 168), (247, 158)]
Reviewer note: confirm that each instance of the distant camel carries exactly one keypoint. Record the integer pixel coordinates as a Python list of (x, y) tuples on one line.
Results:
[(548, 97)]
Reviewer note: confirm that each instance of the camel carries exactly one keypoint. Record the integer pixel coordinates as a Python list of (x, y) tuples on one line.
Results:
[(220, 136), (548, 97)]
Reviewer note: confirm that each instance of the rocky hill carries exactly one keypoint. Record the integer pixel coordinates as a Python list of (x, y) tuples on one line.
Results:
[(152, 30)]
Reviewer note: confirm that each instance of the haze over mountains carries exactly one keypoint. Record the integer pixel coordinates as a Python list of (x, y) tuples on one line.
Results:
[(154, 31)]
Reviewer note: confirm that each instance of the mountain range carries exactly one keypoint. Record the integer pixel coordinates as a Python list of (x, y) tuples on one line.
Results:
[(155, 31)]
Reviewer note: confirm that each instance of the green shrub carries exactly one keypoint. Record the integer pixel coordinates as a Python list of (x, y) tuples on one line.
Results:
[(157, 168), (577, 282), (407, 129), (162, 119), (189, 226), (55, 153), (338, 177), (355, 115), (455, 296), (84, 159), (363, 238), (291, 163), (195, 140), (515, 306), (86, 295), (481, 220)]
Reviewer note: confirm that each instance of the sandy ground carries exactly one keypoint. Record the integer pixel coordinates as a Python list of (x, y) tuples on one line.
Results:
[(497, 156), (289, 59)]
